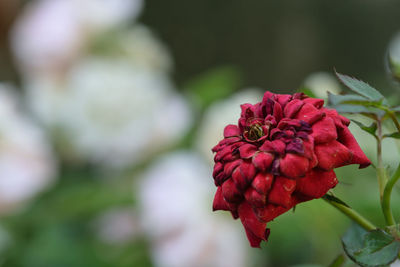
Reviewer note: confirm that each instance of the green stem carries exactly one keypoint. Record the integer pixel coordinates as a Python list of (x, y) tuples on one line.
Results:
[(352, 214), (387, 211), (380, 170)]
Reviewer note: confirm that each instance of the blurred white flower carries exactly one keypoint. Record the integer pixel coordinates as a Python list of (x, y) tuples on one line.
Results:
[(117, 226), (220, 114), (50, 34), (26, 162), (394, 48), (141, 46), (176, 199), (320, 83), (115, 113)]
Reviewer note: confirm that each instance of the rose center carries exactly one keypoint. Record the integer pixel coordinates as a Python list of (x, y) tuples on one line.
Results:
[(255, 132)]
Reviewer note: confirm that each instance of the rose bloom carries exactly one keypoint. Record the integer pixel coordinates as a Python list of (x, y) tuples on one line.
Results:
[(282, 152)]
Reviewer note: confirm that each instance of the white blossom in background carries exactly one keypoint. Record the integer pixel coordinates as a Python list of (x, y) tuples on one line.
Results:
[(175, 198), (50, 34), (140, 45), (119, 114), (110, 103), (117, 226), (220, 114), (320, 83), (26, 162), (394, 48)]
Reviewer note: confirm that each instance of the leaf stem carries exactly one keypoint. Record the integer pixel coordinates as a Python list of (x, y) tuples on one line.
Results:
[(394, 119), (387, 211), (352, 214)]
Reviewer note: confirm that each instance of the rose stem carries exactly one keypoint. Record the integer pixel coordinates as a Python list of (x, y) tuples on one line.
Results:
[(380, 170), (352, 214), (387, 212)]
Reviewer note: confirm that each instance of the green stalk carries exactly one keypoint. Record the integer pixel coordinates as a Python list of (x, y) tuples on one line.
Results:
[(387, 211), (352, 214), (380, 169)]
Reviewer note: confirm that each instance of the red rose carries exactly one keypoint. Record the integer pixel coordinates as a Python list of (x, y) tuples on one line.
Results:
[(281, 153)]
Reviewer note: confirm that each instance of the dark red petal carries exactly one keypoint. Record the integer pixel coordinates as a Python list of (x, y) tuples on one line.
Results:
[(340, 121), (229, 167), (316, 102), (276, 146), (254, 198), (310, 114), (294, 166), (247, 111), (309, 152), (283, 99), (231, 130), (247, 151), (218, 167), (239, 180), (230, 192), (227, 150), (219, 201), (317, 183), (270, 212), (255, 229), (347, 139), (292, 108), (278, 113), (281, 192), (262, 160), (324, 131), (332, 155), (248, 170), (262, 182)]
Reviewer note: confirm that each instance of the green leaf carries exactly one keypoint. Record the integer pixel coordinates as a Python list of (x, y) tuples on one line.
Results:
[(335, 199), (370, 249), (356, 109), (346, 99), (361, 88), (369, 129), (392, 135), (395, 109)]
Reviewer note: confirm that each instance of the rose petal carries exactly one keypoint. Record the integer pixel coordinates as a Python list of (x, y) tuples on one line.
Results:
[(347, 139), (248, 170), (270, 212), (254, 198), (262, 182), (230, 192), (324, 131), (255, 229), (281, 192), (247, 151), (230, 167), (218, 167), (292, 108), (219, 202), (239, 179), (332, 155), (317, 183), (309, 114), (294, 166), (262, 161), (231, 130), (316, 102)]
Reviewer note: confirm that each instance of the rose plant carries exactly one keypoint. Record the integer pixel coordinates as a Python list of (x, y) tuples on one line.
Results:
[(283, 151)]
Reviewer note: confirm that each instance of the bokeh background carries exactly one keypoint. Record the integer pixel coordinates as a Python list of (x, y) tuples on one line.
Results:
[(109, 110)]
